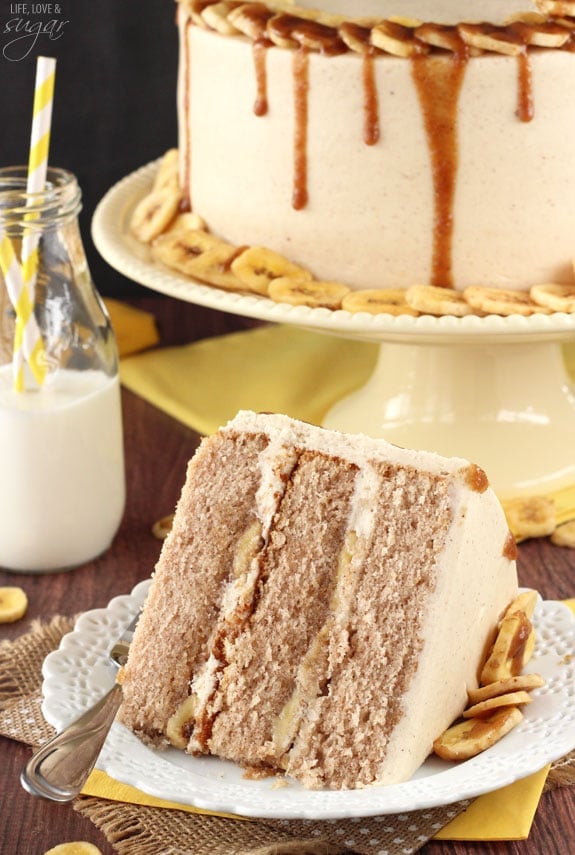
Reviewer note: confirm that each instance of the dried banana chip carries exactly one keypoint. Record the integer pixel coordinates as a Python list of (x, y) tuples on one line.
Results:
[(559, 298), (521, 683), (564, 535), (511, 699), (378, 301), (494, 301), (556, 7), (77, 847), (313, 294), (189, 221), (13, 604), (531, 516), (163, 527), (431, 300), (396, 39), (180, 724), (523, 602), (257, 266), (200, 255), (154, 213), (471, 737), (215, 15), (168, 171), (510, 650)]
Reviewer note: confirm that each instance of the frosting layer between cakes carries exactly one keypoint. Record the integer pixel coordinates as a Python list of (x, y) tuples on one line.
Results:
[(322, 603)]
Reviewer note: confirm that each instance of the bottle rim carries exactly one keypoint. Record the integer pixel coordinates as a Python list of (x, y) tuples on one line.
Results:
[(59, 201)]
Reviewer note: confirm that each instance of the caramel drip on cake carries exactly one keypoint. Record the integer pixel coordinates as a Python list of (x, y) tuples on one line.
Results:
[(360, 38), (309, 35), (370, 108), (301, 89), (525, 108), (438, 82), (259, 49), (253, 18)]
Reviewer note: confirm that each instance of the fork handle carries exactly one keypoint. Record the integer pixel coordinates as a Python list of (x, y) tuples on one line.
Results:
[(60, 768)]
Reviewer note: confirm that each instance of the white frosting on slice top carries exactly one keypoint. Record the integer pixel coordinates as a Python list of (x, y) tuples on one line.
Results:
[(356, 448)]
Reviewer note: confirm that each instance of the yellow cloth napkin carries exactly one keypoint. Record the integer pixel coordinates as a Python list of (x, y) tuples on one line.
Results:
[(505, 814), (134, 329), (102, 786), (272, 369)]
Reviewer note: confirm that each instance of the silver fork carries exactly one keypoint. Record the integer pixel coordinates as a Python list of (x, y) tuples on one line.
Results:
[(60, 768)]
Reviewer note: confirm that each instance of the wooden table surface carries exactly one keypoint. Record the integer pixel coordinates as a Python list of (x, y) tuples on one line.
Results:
[(157, 450)]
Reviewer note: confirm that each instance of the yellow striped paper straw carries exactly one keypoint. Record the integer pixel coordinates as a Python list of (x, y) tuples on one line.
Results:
[(15, 287), (36, 182), (41, 123)]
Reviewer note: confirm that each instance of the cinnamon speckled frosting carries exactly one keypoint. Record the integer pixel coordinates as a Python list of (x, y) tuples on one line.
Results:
[(419, 146)]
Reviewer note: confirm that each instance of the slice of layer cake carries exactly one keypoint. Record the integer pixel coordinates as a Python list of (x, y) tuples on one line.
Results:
[(322, 604)]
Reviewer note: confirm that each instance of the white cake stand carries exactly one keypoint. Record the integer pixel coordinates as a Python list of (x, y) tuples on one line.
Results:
[(494, 390)]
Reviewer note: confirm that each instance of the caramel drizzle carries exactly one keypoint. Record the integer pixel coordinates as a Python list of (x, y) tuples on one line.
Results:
[(371, 132), (525, 106), (438, 84), (301, 89), (259, 50)]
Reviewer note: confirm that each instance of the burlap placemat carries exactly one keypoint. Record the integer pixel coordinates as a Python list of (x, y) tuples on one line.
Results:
[(138, 830)]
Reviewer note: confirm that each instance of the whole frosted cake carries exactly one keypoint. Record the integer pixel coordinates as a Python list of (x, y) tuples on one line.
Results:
[(322, 605), (383, 144)]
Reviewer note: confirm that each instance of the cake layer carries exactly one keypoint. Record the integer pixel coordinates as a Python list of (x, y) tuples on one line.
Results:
[(197, 559), (322, 604), (435, 167)]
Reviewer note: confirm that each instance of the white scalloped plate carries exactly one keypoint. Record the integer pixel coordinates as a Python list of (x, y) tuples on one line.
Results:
[(78, 673), (111, 234)]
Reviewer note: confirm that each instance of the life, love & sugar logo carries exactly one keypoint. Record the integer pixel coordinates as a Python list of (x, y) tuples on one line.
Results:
[(28, 25)]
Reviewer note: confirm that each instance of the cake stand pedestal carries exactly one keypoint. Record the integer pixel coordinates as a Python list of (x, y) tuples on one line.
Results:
[(508, 407), (494, 390)]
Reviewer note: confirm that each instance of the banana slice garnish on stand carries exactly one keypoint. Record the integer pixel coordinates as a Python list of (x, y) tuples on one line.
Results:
[(378, 301), (200, 255), (153, 214), (310, 293), (432, 300), (257, 266), (494, 301), (168, 171), (558, 298)]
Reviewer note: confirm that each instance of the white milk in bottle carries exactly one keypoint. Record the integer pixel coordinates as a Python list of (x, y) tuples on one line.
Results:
[(61, 470)]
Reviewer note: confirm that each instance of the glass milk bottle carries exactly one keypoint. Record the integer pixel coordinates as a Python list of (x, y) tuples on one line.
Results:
[(62, 488)]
